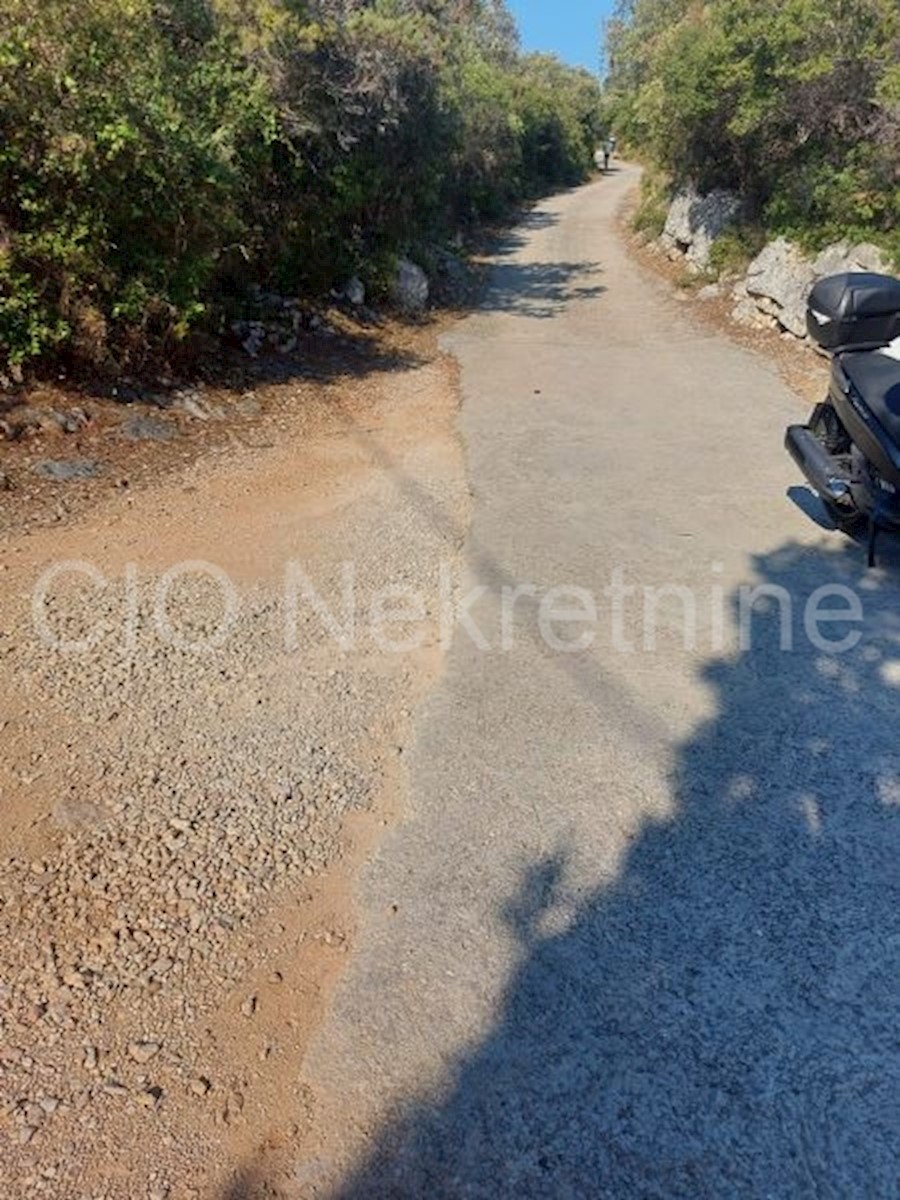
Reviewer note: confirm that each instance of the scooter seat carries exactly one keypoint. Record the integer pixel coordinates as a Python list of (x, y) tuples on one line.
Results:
[(876, 377)]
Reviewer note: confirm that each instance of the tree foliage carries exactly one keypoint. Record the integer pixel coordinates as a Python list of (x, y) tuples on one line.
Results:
[(158, 157), (794, 103)]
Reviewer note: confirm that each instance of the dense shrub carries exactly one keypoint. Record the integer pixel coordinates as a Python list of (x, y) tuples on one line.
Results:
[(653, 202), (561, 121), (794, 103), (157, 157)]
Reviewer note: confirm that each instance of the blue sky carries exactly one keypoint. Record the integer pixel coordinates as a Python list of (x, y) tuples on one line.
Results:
[(569, 28)]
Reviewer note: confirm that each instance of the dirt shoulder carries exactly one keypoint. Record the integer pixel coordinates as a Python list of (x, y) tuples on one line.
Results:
[(192, 767)]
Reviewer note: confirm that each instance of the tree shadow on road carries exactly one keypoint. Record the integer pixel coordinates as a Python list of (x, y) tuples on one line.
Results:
[(541, 290), (723, 1019)]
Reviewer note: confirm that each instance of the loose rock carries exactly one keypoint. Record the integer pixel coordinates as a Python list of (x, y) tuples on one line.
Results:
[(142, 1052), (150, 1097), (148, 429), (411, 289), (82, 468), (355, 292)]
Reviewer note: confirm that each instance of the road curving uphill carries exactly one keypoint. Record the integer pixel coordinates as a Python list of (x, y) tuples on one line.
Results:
[(640, 936)]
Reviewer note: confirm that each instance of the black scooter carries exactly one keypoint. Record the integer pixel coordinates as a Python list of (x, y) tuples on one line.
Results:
[(850, 449)]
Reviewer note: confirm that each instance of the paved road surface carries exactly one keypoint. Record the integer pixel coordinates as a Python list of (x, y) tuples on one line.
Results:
[(640, 935)]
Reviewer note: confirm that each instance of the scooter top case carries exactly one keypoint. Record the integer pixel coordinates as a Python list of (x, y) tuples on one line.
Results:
[(858, 310)]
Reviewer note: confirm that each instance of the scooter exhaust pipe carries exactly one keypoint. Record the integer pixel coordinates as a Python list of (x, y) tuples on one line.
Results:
[(825, 473)]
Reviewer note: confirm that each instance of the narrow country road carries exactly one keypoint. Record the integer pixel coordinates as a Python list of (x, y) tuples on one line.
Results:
[(639, 934)]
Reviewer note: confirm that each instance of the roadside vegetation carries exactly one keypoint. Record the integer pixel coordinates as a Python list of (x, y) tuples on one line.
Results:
[(793, 104), (161, 158)]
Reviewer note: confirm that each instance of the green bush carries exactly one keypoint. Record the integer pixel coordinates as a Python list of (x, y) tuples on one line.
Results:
[(560, 118), (793, 103), (653, 205), (159, 157), (733, 250)]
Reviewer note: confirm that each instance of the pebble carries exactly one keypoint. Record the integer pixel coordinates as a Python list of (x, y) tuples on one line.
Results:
[(234, 1106), (142, 1052), (131, 928), (150, 1097)]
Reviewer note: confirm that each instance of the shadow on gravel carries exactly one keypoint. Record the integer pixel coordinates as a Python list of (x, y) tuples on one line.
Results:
[(353, 349), (249, 1184), (723, 1019)]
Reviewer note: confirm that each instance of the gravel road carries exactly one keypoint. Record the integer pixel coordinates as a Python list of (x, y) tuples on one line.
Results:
[(640, 933), (184, 794)]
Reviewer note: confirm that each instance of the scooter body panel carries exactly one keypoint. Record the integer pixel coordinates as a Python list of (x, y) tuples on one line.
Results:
[(863, 427)]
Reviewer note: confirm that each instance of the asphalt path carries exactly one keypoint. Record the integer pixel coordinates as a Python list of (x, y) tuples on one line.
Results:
[(639, 935)]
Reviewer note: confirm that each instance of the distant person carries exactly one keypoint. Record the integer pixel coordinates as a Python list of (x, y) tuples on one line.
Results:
[(608, 147)]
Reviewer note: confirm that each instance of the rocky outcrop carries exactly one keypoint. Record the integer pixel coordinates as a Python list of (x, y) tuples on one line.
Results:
[(774, 291), (694, 222), (843, 256), (778, 281)]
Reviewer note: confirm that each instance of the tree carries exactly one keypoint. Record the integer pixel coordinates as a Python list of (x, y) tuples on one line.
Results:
[(792, 102)]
